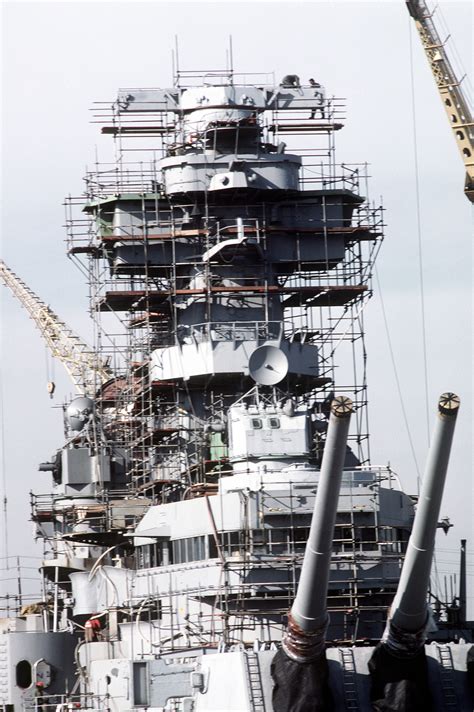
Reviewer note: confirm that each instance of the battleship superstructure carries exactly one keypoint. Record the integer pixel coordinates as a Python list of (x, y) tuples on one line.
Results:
[(228, 277)]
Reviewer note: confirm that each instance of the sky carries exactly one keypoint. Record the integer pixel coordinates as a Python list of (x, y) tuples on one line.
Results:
[(60, 57)]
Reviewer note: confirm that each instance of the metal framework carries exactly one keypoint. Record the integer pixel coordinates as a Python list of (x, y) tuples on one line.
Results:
[(449, 87), (86, 369), (323, 304)]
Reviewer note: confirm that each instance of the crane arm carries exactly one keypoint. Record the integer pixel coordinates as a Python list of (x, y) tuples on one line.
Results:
[(83, 365), (449, 87)]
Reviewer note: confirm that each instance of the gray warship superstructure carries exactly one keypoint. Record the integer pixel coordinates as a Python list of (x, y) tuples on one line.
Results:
[(228, 278)]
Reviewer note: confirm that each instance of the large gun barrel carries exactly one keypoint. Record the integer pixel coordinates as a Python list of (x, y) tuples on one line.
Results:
[(398, 666), (409, 609), (308, 618)]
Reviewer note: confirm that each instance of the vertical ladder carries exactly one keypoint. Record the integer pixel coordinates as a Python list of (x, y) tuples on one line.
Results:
[(446, 668), (351, 697), (254, 679), (4, 686)]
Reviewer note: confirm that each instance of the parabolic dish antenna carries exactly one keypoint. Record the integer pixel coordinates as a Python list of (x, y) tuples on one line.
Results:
[(78, 412), (268, 365)]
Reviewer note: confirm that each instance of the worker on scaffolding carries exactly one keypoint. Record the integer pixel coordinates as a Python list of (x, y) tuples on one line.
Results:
[(92, 630), (41, 702), (318, 95), (290, 81)]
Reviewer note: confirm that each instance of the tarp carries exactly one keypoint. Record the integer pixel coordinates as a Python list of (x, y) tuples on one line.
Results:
[(470, 669), (399, 684), (300, 687)]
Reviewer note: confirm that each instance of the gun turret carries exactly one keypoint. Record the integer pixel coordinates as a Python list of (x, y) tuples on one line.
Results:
[(299, 670), (398, 664)]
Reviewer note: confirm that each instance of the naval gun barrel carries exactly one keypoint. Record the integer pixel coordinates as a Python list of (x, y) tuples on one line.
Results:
[(308, 618), (409, 612)]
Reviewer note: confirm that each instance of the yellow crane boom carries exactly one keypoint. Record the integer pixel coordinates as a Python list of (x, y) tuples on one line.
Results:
[(84, 366), (449, 87)]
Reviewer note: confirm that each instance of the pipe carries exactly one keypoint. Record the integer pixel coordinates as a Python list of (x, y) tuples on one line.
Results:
[(308, 618), (409, 612), (462, 584)]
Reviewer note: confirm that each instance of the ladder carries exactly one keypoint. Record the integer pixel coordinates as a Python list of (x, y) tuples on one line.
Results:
[(349, 678), (446, 666), (254, 679)]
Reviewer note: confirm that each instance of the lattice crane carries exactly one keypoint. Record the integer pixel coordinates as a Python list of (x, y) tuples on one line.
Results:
[(84, 366), (449, 87)]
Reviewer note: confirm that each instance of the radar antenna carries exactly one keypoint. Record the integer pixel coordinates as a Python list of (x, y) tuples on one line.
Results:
[(83, 365)]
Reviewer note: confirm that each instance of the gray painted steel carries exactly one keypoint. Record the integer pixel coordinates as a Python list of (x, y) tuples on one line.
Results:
[(309, 609), (185, 494), (409, 609)]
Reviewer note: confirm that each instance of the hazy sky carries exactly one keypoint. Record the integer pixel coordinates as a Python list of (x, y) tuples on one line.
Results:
[(60, 57)]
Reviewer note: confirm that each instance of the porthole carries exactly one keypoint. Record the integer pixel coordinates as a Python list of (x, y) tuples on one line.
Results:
[(256, 423), (23, 674)]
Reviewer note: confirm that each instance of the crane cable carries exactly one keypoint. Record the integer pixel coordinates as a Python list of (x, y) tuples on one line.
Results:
[(397, 380), (419, 231), (436, 580)]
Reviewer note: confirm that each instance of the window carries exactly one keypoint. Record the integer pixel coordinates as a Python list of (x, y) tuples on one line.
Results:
[(185, 550), (149, 555), (256, 423), (212, 548), (140, 685), (23, 674), (274, 423), (259, 541), (300, 538), (230, 543), (152, 611), (278, 541)]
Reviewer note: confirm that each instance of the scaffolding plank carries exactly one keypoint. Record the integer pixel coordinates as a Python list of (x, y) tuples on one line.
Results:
[(85, 250), (137, 130), (323, 295), (360, 232), (140, 237), (313, 127), (136, 299)]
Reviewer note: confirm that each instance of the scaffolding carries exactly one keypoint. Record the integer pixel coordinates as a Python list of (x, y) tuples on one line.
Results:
[(134, 300)]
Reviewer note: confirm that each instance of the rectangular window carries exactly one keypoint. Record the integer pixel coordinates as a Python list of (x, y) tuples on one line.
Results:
[(176, 552), (140, 685), (212, 548), (199, 553)]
